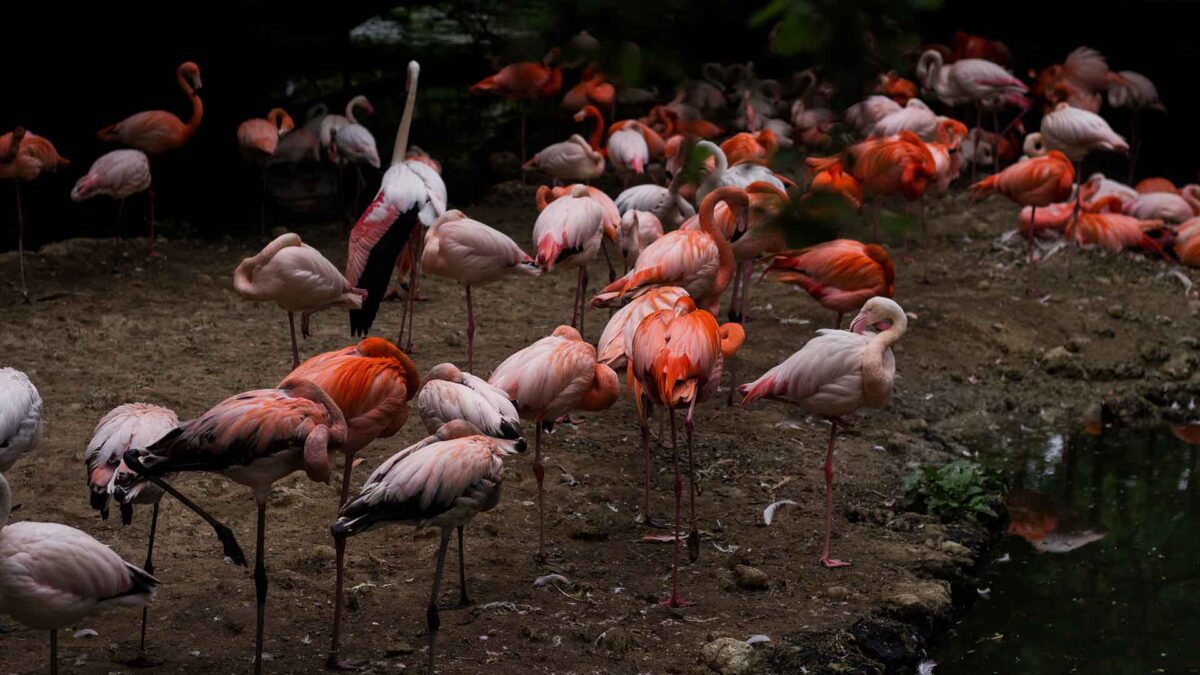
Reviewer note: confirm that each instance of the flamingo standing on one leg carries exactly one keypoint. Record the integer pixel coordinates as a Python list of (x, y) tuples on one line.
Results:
[(471, 253), (549, 378), (298, 278), (23, 157), (258, 138), (20, 417), (834, 375), (522, 81), (444, 481), (676, 362), (411, 196), (450, 394), (51, 575), (254, 438), (568, 233), (1136, 92), (118, 174), (1038, 181), (132, 425), (372, 383), (841, 274), (574, 159), (611, 221), (157, 132)]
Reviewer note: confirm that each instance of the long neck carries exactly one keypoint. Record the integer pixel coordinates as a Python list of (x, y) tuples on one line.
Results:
[(726, 262), (197, 107), (719, 154), (350, 106), (401, 147), (877, 384), (5, 502), (243, 275), (598, 130)]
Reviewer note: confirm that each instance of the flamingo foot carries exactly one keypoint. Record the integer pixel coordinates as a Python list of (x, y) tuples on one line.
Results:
[(143, 661), (831, 563), (674, 601)]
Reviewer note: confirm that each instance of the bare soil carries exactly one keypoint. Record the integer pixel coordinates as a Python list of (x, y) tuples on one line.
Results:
[(109, 326)]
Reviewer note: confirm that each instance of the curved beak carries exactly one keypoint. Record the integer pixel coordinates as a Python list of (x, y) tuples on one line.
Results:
[(859, 324)]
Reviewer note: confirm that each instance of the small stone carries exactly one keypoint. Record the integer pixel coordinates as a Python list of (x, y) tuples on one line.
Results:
[(983, 285), (1154, 353), (837, 593), (401, 648), (1179, 367), (1077, 343), (1103, 281), (751, 578), (1059, 361), (920, 601), (728, 656), (1116, 311), (618, 640)]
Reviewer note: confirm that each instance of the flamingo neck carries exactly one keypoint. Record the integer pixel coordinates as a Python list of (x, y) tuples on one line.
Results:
[(401, 147), (597, 130), (877, 384), (726, 262), (5, 502), (197, 106)]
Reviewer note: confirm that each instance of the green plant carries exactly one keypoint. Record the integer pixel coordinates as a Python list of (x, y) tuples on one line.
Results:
[(955, 491)]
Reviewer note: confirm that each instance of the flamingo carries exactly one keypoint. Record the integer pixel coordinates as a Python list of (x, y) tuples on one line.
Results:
[(757, 147), (593, 89), (829, 176), (1154, 184), (900, 164), (23, 157), (444, 480), (617, 339), (131, 425), (298, 278), (1112, 231), (740, 175), (664, 202), (411, 196), (865, 114), (764, 235), (254, 438), (1137, 93), (51, 575), (841, 274), (573, 159), (1080, 80), (676, 362), (1187, 243), (568, 233), (522, 81), (700, 261), (655, 144), (915, 116), (610, 222), (896, 88), (1165, 206), (1036, 182), (258, 139), (157, 132), (471, 253), (118, 174), (549, 378), (20, 417), (450, 394), (834, 375), (331, 124), (371, 383), (638, 230), (628, 151)]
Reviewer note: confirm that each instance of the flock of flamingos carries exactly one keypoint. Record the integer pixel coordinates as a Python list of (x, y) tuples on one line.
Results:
[(683, 246)]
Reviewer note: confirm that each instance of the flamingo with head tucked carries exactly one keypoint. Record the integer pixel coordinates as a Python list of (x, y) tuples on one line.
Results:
[(568, 233), (841, 274), (118, 174), (524, 81), (573, 159), (20, 417), (23, 157), (1038, 181)]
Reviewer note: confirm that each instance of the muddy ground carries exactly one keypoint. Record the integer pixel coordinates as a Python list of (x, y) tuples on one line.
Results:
[(992, 344)]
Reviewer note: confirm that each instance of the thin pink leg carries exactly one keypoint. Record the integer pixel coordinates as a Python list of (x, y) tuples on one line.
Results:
[(693, 541), (674, 600), (575, 303), (1032, 224), (153, 253), (825, 559), (295, 347), (470, 332), (21, 243), (734, 314), (539, 472)]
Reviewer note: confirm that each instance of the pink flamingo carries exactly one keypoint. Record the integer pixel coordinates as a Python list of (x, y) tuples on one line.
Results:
[(700, 261), (1075, 132), (573, 159), (834, 375), (20, 417), (118, 174), (617, 339), (638, 230), (443, 481), (471, 253), (258, 138), (254, 438), (628, 151), (450, 394), (664, 202), (51, 575), (841, 274), (411, 196), (23, 157), (132, 425), (550, 378), (611, 220), (676, 362), (157, 132), (298, 278), (568, 233)]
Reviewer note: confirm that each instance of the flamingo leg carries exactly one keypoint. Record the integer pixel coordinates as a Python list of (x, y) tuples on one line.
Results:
[(153, 253), (838, 324), (583, 300), (260, 588), (828, 470), (228, 542), (463, 599), (575, 302), (333, 662), (648, 462), (295, 348), (612, 271), (747, 279), (735, 315), (414, 271), (54, 652), (470, 332), (21, 243), (432, 620), (143, 659), (1074, 214), (674, 600), (1032, 225), (539, 472), (693, 540)]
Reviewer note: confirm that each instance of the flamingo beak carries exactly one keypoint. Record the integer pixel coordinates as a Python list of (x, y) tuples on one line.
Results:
[(859, 324)]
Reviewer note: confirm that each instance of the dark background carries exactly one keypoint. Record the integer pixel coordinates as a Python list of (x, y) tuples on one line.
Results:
[(70, 70)]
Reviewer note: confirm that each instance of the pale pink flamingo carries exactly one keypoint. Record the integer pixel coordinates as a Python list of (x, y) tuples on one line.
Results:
[(51, 575), (611, 220), (1137, 93), (449, 394), (23, 157), (471, 253), (574, 159), (700, 261), (411, 196), (20, 417), (834, 375), (865, 114), (442, 481), (676, 361), (970, 81), (1165, 206), (157, 132), (638, 230), (664, 202), (915, 116), (568, 233), (371, 383), (550, 378), (132, 425), (628, 151), (298, 278), (258, 138), (118, 174), (617, 339), (331, 124), (254, 438), (739, 175)]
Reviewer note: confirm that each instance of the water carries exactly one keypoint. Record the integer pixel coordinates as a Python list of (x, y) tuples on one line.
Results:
[(1126, 599)]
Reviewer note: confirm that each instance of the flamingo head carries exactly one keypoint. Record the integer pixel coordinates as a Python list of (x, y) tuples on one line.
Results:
[(879, 314)]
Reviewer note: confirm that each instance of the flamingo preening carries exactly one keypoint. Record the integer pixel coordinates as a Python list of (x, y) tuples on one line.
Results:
[(20, 417), (118, 174), (841, 274), (568, 233)]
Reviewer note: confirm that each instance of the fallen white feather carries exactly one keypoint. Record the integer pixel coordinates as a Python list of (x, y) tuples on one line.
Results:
[(926, 667), (755, 639), (85, 633), (543, 580), (769, 512)]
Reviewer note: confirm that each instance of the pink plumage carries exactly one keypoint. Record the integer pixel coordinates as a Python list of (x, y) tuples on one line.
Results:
[(1077, 132), (472, 253), (132, 425), (117, 174), (627, 149), (915, 116), (638, 230), (617, 339), (1165, 206), (570, 160)]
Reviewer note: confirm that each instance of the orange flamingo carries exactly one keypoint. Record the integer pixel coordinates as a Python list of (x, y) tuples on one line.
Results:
[(900, 164), (840, 275), (1187, 243), (830, 176), (1039, 181), (372, 383), (258, 139), (549, 378), (593, 88), (897, 88), (157, 132), (1113, 231), (676, 362), (1155, 184), (524, 81), (23, 157), (757, 147)]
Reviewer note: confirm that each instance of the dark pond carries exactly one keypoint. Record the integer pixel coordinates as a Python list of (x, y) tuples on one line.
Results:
[(1100, 572)]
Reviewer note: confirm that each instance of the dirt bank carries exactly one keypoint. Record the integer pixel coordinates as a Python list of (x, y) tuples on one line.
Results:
[(993, 344)]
